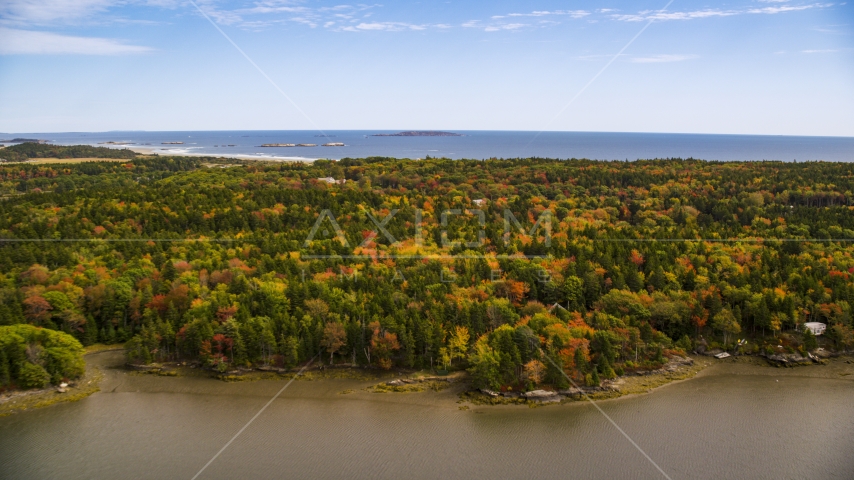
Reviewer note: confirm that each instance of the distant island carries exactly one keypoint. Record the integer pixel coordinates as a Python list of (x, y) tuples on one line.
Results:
[(23, 152), (269, 145), (419, 134), (24, 140)]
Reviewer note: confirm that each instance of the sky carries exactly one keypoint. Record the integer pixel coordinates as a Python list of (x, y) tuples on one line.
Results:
[(777, 67)]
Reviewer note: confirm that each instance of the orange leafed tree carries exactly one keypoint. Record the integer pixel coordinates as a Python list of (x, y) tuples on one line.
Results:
[(334, 337), (534, 371), (383, 344), (636, 257)]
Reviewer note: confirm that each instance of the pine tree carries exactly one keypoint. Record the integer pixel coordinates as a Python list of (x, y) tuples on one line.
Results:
[(110, 334), (605, 366), (168, 271), (90, 331), (810, 342), (580, 361), (5, 374), (5, 316), (594, 379), (658, 279)]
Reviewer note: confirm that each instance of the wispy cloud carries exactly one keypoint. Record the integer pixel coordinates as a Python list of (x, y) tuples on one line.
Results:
[(832, 29), (546, 13), (510, 21), (505, 26), (263, 14), (27, 13), (819, 51), (27, 42), (42, 12), (648, 15), (267, 13), (663, 58), (384, 27)]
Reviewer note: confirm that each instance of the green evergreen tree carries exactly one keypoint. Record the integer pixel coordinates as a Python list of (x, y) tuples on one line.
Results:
[(168, 271), (580, 361), (5, 372), (810, 342), (594, 380), (90, 332), (33, 376)]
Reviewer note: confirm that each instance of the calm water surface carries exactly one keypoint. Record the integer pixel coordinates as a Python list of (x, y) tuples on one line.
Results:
[(733, 421), (476, 145)]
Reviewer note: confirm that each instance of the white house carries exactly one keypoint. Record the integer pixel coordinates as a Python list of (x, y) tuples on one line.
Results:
[(332, 180), (479, 202), (815, 327)]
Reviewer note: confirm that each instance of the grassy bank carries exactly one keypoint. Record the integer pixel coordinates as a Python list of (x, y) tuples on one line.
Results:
[(179, 369), (24, 400)]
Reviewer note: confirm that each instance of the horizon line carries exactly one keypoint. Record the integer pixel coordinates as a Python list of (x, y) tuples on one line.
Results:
[(434, 130)]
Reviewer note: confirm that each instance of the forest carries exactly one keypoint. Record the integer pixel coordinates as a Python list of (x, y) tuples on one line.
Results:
[(25, 151), (522, 271)]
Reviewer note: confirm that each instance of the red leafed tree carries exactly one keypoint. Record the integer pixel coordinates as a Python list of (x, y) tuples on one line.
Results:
[(225, 313), (159, 303), (37, 309), (36, 274), (222, 344), (218, 277), (179, 297)]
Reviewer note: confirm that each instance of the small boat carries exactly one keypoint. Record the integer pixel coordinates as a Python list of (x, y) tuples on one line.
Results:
[(722, 355)]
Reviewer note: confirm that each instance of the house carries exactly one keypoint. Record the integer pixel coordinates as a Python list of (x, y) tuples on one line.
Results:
[(815, 327), (479, 202), (331, 180)]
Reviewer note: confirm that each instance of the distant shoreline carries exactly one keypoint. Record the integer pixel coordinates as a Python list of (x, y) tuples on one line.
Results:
[(153, 151), (419, 133)]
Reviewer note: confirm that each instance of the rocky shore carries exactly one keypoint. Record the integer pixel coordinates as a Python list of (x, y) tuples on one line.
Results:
[(22, 400), (677, 368)]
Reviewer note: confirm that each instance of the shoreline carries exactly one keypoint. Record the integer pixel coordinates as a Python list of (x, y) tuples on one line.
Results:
[(837, 368), (455, 387), (628, 386), (154, 151), (19, 401)]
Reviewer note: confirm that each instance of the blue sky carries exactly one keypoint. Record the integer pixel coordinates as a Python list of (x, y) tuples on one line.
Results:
[(747, 66)]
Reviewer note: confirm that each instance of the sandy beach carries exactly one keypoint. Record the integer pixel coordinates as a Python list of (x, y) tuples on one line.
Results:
[(155, 151)]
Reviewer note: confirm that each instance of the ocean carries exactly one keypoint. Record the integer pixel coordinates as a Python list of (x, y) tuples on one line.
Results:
[(472, 145)]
